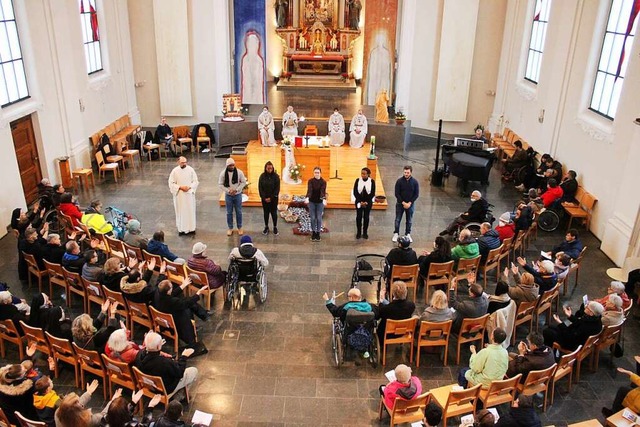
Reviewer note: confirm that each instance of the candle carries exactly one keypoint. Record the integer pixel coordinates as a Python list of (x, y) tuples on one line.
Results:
[(373, 140)]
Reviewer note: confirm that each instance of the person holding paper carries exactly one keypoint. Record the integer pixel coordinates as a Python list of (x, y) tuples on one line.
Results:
[(403, 385), (489, 364), (626, 397)]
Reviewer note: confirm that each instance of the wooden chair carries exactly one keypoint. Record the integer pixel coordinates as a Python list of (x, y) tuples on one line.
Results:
[(133, 252), (585, 351), (455, 403), (399, 332), (524, 314), (518, 247), (545, 303), (164, 325), (405, 411), (63, 351), (26, 422), (311, 130), (119, 373), (434, 334), (466, 266), (4, 419), (565, 367), (116, 248), (95, 294), (492, 263), (75, 286), (91, 362), (182, 136), (199, 279), (36, 335), (56, 277), (583, 211), (139, 313), (609, 336), (407, 274), (500, 392), (471, 330), (113, 157), (149, 147), (532, 233), (149, 256), (537, 382), (505, 252), (123, 307), (9, 332), (575, 266), (202, 137), (34, 270), (129, 154), (175, 272), (152, 385), (103, 167), (439, 274)]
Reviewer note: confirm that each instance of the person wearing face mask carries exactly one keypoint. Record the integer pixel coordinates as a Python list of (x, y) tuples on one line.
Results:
[(232, 181), (476, 213), (316, 199), (269, 188), (358, 130), (183, 183), (266, 128), (364, 190), (289, 123)]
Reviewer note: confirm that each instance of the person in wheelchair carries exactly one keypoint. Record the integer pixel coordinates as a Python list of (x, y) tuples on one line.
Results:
[(552, 194), (356, 302), (477, 212), (248, 251), (518, 160)]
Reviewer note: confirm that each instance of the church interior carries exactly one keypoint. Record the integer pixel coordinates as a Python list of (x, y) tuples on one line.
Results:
[(561, 75)]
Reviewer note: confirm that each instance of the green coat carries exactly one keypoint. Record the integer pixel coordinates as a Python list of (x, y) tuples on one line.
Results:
[(465, 251), (489, 364)]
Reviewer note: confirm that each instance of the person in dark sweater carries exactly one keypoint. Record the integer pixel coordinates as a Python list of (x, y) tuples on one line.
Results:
[(316, 199), (477, 212), (92, 334), (113, 272), (489, 239), (532, 355), (33, 243), (473, 306), (170, 299), (571, 245), (171, 416), (580, 329), (53, 251), (441, 253), (407, 191), (402, 255), (398, 309), (521, 414), (269, 189), (569, 186), (517, 160), (544, 274), (364, 191), (164, 135)]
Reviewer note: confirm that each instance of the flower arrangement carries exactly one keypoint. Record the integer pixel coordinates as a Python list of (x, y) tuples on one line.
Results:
[(345, 77), (286, 142), (295, 171), (399, 115)]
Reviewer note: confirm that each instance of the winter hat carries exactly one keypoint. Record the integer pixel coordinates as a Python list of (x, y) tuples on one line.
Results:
[(198, 248), (230, 161), (596, 307), (133, 225), (403, 373), (505, 218), (245, 239)]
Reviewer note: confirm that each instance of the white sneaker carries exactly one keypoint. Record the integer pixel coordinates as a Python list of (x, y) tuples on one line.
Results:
[(394, 239), (408, 236), (365, 355)]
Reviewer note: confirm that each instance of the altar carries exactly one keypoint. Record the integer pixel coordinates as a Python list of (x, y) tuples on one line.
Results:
[(318, 64), (311, 157)]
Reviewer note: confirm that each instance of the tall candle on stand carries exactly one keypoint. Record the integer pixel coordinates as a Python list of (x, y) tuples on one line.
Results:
[(372, 152)]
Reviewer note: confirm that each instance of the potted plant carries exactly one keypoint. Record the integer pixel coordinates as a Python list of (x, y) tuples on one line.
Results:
[(400, 117)]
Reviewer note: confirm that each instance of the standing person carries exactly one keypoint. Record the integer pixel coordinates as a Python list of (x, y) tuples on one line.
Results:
[(364, 190), (289, 123), (164, 135), (183, 183), (266, 128), (407, 192), (336, 128), (269, 188), (358, 130), (316, 199), (232, 181)]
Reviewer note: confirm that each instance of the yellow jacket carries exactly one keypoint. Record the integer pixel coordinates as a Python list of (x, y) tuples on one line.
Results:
[(632, 399), (97, 222)]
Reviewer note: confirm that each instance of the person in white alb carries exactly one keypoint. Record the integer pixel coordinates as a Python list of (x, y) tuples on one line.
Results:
[(358, 130), (336, 128), (266, 128), (183, 183), (289, 123)]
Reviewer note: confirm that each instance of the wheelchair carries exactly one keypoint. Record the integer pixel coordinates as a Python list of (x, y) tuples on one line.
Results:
[(356, 323), (474, 227), (245, 276), (549, 218)]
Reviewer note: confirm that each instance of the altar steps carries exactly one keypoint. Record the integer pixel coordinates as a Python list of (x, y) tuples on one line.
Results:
[(302, 81)]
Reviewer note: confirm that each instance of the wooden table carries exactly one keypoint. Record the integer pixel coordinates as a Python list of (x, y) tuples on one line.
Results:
[(310, 158), (616, 420), (588, 423), (84, 176)]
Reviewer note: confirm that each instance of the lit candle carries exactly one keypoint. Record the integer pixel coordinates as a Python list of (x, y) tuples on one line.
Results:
[(373, 140)]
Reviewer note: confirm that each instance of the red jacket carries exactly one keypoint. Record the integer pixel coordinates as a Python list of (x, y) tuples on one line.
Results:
[(551, 195), (391, 391), (506, 231), (71, 210), (128, 355)]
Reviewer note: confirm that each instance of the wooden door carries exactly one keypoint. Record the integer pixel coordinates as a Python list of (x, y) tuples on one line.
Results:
[(24, 142)]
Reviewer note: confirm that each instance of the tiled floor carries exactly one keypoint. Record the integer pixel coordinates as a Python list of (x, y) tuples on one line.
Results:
[(273, 366)]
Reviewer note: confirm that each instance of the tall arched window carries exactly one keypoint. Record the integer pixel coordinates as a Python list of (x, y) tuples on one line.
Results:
[(538, 37), (91, 35), (13, 82), (614, 56)]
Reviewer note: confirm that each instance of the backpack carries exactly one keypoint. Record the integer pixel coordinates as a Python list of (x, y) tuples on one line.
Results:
[(360, 339)]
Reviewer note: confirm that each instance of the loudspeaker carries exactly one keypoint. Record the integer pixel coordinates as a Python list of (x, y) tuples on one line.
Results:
[(437, 177)]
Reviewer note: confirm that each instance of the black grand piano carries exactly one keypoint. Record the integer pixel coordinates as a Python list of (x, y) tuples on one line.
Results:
[(468, 160)]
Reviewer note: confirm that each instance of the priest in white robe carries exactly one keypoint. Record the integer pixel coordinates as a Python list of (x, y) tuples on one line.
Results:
[(336, 128), (183, 183), (289, 123), (266, 128), (358, 130)]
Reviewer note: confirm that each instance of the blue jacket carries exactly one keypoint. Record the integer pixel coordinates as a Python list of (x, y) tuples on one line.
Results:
[(489, 240), (407, 190), (572, 248), (158, 248)]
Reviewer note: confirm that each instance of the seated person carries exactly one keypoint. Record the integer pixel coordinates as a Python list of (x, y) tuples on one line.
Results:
[(523, 217), (91, 270), (398, 309), (506, 228), (157, 246), (119, 347), (438, 310), (544, 273), (562, 265), (171, 416), (467, 247), (489, 239), (356, 302), (477, 212), (113, 272), (58, 191), (553, 193), (73, 260), (571, 245), (556, 166), (441, 253), (121, 412), (517, 160), (10, 311), (401, 255), (626, 396), (46, 401), (405, 386), (92, 334), (532, 355), (500, 299), (133, 236), (174, 373), (433, 414), (94, 219), (135, 287), (248, 251), (53, 251), (200, 262), (33, 244), (613, 314), (569, 185), (525, 288), (473, 306), (616, 287), (580, 329), (489, 364), (482, 418), (164, 135), (67, 207), (521, 414)]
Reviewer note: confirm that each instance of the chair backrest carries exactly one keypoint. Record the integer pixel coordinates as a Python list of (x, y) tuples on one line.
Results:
[(311, 130), (73, 279), (247, 269), (163, 322), (36, 335), (406, 273), (467, 265), (99, 159), (580, 193), (181, 132), (537, 380), (26, 422), (463, 401), (610, 335), (133, 252), (588, 201), (89, 358), (149, 256), (627, 310), (175, 272), (116, 247), (440, 272), (150, 384), (434, 333), (94, 289), (62, 348), (502, 391), (493, 257), (525, 310), (119, 372), (115, 296), (140, 314), (506, 246), (473, 328), (568, 360), (580, 256), (31, 260), (8, 330), (198, 278), (54, 270), (411, 410), (547, 298), (405, 327)]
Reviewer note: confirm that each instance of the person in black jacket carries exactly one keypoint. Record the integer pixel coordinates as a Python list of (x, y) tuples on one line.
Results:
[(441, 253), (407, 191), (532, 355), (164, 135), (580, 329), (136, 287), (92, 334), (171, 416), (364, 190), (398, 309), (521, 414), (174, 373), (269, 189), (53, 251), (569, 186), (16, 393), (8, 310), (477, 212), (171, 300), (544, 274), (402, 255)]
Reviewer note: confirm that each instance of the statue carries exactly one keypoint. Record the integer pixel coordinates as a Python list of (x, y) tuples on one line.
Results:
[(281, 12), (333, 42), (302, 42), (355, 6), (318, 47), (382, 113)]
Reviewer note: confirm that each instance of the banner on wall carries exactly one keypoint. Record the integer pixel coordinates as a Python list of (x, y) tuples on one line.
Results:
[(379, 49), (250, 52)]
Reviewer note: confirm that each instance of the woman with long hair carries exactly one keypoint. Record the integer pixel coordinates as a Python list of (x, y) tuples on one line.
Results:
[(441, 253), (269, 188)]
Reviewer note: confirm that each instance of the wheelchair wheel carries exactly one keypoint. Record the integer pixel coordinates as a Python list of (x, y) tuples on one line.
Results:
[(474, 228), (548, 220), (374, 352), (520, 175), (336, 343), (262, 287)]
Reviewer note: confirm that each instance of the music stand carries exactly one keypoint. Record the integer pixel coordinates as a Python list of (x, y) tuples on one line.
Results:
[(336, 150)]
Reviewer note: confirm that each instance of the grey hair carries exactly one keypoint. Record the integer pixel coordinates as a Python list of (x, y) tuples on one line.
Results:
[(52, 236), (153, 341), (616, 300), (5, 297), (118, 340), (617, 286)]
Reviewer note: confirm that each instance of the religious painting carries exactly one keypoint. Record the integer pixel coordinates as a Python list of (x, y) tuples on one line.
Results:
[(231, 103), (325, 11), (249, 36)]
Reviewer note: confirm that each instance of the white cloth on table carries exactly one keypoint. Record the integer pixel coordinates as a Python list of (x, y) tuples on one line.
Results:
[(184, 202), (289, 124), (358, 130), (336, 129), (266, 128)]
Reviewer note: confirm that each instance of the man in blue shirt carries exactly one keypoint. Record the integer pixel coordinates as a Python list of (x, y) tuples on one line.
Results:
[(407, 191)]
